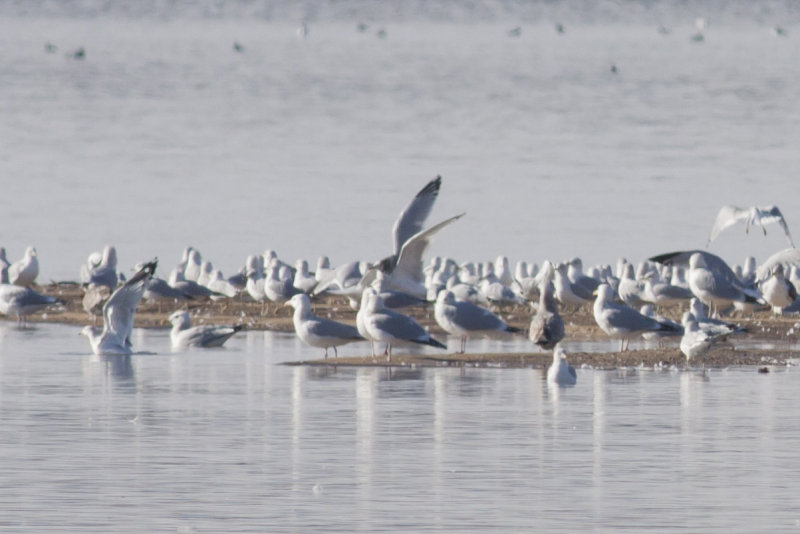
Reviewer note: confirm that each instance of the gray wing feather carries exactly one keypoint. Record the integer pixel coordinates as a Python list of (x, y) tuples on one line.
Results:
[(412, 218)]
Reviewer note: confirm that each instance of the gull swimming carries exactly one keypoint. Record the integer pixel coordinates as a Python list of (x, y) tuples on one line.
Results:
[(754, 215), (183, 334), (318, 331), (560, 371), (621, 321), (118, 314), (465, 319)]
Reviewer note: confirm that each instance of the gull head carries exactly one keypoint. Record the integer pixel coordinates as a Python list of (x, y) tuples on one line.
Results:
[(180, 319)]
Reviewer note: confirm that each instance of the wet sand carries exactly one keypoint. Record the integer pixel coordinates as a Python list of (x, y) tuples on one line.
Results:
[(770, 340)]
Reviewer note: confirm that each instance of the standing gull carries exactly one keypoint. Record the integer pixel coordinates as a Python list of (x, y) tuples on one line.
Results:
[(778, 291), (118, 314), (22, 301), (547, 326), (183, 334), (695, 341), (714, 289), (465, 319), (386, 326), (25, 271), (621, 321), (318, 331)]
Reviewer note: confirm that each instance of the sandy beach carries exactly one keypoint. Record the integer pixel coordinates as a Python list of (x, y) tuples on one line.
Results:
[(769, 340)]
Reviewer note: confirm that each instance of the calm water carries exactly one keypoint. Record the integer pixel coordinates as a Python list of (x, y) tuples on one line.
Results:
[(227, 440), (163, 137)]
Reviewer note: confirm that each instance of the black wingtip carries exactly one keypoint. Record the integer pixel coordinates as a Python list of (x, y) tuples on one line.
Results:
[(237, 328), (434, 343), (431, 187), (665, 259)]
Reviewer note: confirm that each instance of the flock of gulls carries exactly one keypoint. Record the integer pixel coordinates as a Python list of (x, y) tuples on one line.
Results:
[(467, 299)]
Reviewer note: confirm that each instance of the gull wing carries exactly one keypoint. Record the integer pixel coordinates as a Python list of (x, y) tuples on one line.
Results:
[(412, 218), (409, 262), (119, 309), (771, 214), (728, 216)]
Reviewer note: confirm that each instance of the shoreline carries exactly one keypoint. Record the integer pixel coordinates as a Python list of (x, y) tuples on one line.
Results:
[(782, 332)]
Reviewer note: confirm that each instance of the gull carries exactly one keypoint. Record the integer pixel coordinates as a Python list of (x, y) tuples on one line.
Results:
[(560, 371), (630, 290), (218, 284), (92, 262), (158, 290), (647, 311), (755, 215), (345, 279), (25, 271), (22, 301), (404, 266), (190, 288), (386, 326), (695, 341), (404, 272), (547, 326), (206, 270), (276, 289), (303, 280), (712, 261), (663, 294), (94, 297), (465, 319), (778, 291), (118, 314), (709, 325), (194, 261), (576, 277), (713, 289), (183, 334), (318, 331), (105, 272), (567, 293), (621, 321), (789, 257)]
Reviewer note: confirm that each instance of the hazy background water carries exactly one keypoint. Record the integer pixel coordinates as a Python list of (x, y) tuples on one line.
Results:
[(163, 136)]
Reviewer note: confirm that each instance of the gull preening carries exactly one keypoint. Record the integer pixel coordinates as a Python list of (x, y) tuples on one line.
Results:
[(118, 313), (319, 331), (184, 335), (755, 215), (22, 301)]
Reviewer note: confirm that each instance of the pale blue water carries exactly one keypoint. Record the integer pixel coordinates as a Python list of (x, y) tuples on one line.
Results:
[(228, 440), (164, 137)]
